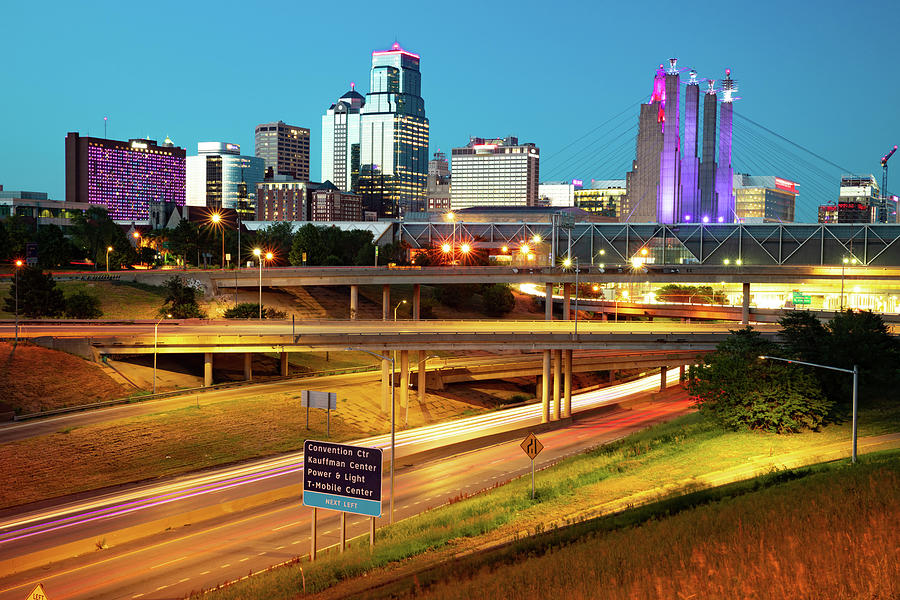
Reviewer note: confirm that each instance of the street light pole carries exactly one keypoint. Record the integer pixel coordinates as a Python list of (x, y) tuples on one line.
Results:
[(577, 270), (108, 250), (393, 431), (396, 307), (854, 371), (18, 264), (155, 340), (844, 264)]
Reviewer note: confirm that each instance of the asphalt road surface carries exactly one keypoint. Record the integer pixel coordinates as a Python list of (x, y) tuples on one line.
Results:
[(173, 563)]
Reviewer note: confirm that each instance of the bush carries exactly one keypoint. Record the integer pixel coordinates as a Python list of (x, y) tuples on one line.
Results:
[(740, 391), (82, 305), (250, 310), (497, 300)]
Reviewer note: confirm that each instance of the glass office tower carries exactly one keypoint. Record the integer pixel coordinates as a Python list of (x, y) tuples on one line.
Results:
[(220, 177), (394, 135)]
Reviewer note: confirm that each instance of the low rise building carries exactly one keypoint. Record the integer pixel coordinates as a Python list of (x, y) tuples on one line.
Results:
[(764, 199), (328, 203)]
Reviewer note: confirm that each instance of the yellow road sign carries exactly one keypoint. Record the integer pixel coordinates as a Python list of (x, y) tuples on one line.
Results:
[(532, 446), (37, 593)]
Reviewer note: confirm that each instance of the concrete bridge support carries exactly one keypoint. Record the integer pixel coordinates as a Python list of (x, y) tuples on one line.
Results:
[(248, 366), (283, 364), (545, 388), (745, 304), (386, 382), (422, 374), (681, 370), (404, 379), (567, 301), (567, 387), (207, 369), (557, 380), (354, 302), (385, 302), (662, 378), (548, 302), (416, 301)]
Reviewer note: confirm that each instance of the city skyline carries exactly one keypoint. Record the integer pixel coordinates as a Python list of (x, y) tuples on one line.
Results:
[(796, 85)]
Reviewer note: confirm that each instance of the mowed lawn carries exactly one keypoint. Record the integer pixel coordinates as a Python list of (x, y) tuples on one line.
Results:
[(118, 300)]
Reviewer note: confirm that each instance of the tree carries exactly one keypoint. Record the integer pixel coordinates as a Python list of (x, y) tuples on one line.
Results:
[(82, 305), (93, 231), (740, 391), (181, 300), (54, 249), (184, 240), (497, 300), (277, 238), (861, 338), (703, 294), (803, 337), (37, 293)]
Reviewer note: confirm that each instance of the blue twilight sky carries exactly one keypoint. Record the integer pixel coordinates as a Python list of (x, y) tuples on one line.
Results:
[(821, 73)]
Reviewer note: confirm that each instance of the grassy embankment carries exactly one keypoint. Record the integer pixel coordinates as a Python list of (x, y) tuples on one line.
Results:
[(650, 460), (118, 300)]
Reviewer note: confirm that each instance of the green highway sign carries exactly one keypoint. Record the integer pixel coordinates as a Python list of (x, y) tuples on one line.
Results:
[(802, 298)]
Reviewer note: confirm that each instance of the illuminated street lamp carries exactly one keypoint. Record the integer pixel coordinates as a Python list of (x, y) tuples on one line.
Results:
[(19, 263), (155, 339), (108, 250), (854, 371), (846, 261), (396, 307), (268, 256), (524, 249), (393, 446), (465, 248)]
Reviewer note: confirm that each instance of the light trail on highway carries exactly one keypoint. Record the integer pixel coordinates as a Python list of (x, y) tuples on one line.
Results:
[(142, 498)]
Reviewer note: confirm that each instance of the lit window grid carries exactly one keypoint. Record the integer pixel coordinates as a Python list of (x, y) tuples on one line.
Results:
[(125, 181)]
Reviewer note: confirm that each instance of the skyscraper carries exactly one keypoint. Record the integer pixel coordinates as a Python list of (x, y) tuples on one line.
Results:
[(220, 177), (125, 177), (667, 184), (394, 135), (642, 182), (340, 141), (495, 172), (284, 148), (690, 163)]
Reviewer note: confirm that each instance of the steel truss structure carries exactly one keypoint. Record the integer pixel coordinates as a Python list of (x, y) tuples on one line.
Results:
[(612, 243)]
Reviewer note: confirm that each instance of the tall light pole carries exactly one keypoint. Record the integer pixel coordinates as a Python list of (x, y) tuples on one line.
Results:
[(393, 431), (108, 250), (577, 270), (217, 222), (268, 256), (845, 262), (854, 371), (18, 266), (155, 340)]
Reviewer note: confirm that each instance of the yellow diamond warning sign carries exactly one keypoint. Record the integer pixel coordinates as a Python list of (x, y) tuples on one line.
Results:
[(532, 446)]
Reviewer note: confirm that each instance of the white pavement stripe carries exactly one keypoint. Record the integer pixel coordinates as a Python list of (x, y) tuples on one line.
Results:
[(168, 562)]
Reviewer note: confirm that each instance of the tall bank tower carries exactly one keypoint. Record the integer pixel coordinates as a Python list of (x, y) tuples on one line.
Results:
[(394, 136)]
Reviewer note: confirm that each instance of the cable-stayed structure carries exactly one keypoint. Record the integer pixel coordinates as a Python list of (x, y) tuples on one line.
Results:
[(760, 150)]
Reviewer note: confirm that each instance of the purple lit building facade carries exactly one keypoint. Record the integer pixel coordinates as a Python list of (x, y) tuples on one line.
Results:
[(669, 182), (124, 177)]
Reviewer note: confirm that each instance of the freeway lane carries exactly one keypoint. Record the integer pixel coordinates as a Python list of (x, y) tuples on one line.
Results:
[(173, 564)]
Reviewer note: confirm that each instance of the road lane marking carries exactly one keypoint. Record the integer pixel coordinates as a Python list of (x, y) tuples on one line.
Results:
[(185, 579), (169, 562), (225, 565), (297, 542), (246, 558), (205, 572), (138, 595), (288, 525), (162, 587), (279, 547), (261, 553)]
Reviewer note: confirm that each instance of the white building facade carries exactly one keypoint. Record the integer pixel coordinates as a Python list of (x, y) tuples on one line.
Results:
[(495, 172)]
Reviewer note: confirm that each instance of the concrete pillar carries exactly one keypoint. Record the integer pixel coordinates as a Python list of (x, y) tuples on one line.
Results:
[(416, 301), (386, 383), (420, 385), (745, 305), (284, 364), (385, 302), (662, 378), (248, 366), (548, 302), (604, 316), (354, 302), (545, 388), (207, 369), (557, 380), (567, 301), (404, 378), (567, 387), (681, 370), (612, 376)]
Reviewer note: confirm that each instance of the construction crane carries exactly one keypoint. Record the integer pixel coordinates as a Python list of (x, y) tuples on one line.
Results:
[(884, 192)]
